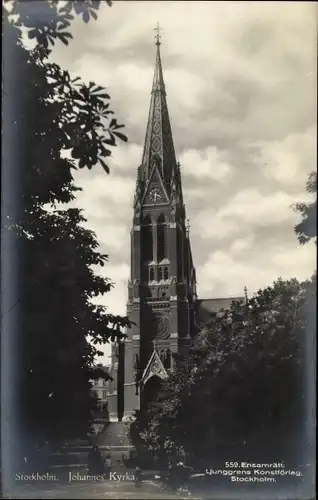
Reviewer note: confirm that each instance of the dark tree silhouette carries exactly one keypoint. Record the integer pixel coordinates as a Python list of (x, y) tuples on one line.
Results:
[(242, 381), (306, 229), (53, 125)]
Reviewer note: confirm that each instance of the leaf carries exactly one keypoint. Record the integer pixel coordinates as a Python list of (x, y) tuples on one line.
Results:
[(93, 14), (111, 140), (64, 24), (95, 4), (33, 33), (103, 164), (63, 38), (82, 163), (66, 9), (104, 95), (121, 136), (67, 35), (86, 16)]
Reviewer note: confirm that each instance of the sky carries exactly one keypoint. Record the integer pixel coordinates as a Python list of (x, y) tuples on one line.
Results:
[(241, 91)]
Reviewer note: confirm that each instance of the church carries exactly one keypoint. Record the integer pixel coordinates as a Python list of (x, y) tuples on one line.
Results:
[(162, 306)]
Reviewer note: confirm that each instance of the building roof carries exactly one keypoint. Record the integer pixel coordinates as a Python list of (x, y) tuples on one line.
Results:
[(103, 371), (208, 307)]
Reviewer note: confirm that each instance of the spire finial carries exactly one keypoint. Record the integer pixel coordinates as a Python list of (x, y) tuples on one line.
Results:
[(154, 343), (157, 36), (245, 293), (188, 226)]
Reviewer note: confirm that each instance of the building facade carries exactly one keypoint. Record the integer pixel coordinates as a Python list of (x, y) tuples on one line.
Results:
[(162, 296), (101, 387)]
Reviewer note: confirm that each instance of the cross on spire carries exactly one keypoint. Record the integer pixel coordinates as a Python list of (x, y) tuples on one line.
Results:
[(157, 36)]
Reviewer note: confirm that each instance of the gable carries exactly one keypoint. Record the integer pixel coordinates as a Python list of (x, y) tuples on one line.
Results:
[(155, 192), (154, 368)]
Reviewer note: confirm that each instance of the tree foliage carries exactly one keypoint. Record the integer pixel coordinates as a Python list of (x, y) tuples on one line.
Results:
[(241, 381), (306, 229), (54, 125), (50, 20)]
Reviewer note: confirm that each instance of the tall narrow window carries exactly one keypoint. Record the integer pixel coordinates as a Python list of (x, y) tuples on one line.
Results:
[(160, 273), (151, 274), (165, 240), (166, 273), (162, 238), (147, 239)]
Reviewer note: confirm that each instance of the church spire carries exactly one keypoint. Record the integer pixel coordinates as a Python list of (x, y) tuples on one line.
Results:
[(158, 146), (158, 83)]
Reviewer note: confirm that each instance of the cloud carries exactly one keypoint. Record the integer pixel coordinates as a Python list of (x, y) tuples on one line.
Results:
[(244, 213), (127, 157), (252, 207), (290, 160), (193, 193), (208, 225), (242, 244), (102, 192), (303, 262), (189, 93), (221, 267), (209, 163)]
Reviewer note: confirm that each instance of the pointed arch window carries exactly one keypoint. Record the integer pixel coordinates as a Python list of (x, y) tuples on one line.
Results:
[(151, 274), (147, 240), (166, 273), (162, 238), (160, 273)]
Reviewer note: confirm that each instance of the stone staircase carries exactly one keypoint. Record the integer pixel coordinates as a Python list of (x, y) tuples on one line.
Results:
[(114, 435), (112, 440)]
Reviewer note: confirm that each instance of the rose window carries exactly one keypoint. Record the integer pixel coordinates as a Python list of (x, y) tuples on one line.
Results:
[(163, 329)]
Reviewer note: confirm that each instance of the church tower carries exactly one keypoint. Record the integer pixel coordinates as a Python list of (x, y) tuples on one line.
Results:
[(162, 285)]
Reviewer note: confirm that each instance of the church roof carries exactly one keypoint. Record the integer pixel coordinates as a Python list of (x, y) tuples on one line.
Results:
[(208, 307), (158, 140), (103, 371)]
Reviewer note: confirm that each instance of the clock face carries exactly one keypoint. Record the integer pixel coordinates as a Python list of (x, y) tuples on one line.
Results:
[(155, 194)]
